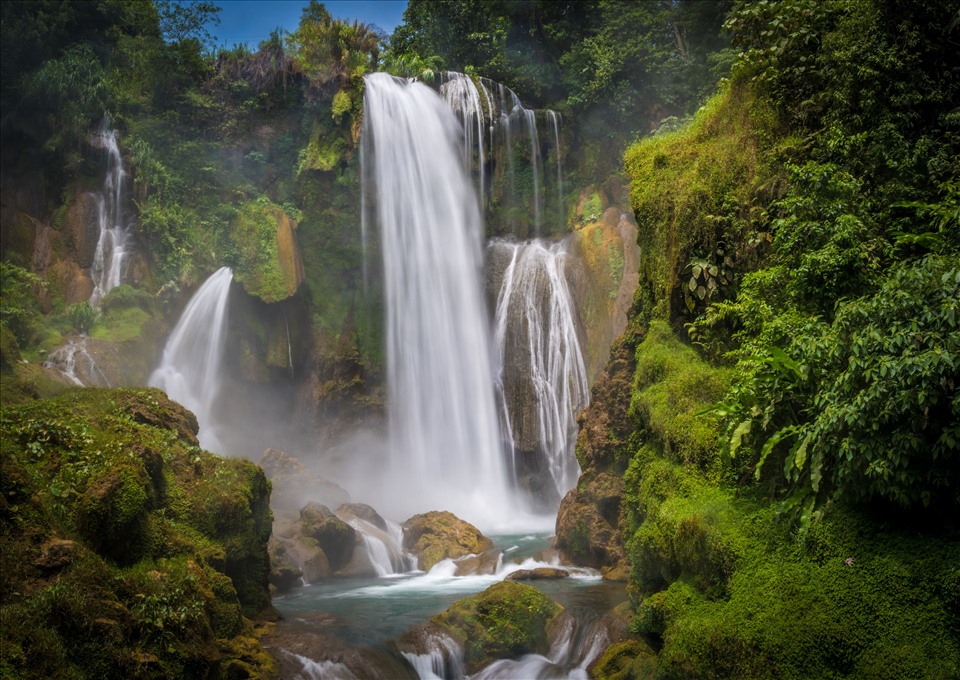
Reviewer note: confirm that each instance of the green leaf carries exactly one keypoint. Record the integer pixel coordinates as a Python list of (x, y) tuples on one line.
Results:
[(775, 439), (737, 438)]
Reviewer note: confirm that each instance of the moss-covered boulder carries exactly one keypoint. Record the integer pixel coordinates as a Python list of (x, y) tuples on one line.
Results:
[(126, 550), (538, 574), (505, 621), (628, 660), (438, 535), (332, 535)]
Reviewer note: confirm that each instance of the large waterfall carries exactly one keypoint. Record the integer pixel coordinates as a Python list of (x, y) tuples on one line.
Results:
[(442, 417), (113, 242), (190, 369), (542, 380)]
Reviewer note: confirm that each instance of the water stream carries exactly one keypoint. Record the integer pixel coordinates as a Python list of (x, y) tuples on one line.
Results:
[(114, 241), (190, 370)]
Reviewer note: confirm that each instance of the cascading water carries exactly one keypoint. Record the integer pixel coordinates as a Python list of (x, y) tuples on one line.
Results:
[(492, 119), (442, 417), (74, 361), (113, 242), (542, 380), (192, 360)]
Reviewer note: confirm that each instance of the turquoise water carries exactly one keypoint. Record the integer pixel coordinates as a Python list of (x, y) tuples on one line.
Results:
[(371, 611)]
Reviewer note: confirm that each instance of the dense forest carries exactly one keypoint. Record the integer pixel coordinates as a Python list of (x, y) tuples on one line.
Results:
[(770, 459)]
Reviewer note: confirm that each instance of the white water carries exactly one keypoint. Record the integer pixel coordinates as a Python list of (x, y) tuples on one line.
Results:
[(492, 117), (189, 371), (75, 362), (113, 243), (535, 332), (443, 427)]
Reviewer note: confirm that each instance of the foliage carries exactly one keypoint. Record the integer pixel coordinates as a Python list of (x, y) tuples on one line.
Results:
[(180, 21), (331, 52), (82, 316)]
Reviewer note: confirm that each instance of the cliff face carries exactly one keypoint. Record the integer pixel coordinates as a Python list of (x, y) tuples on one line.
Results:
[(125, 547)]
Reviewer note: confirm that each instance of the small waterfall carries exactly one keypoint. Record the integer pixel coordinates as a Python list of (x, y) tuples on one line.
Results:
[(113, 243), (384, 547), (441, 658), (442, 416), (493, 118), (542, 381), (189, 371), (76, 363)]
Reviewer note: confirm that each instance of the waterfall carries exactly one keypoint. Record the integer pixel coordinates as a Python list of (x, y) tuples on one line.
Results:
[(491, 123), (189, 371), (113, 242), (542, 380), (442, 416), (75, 362)]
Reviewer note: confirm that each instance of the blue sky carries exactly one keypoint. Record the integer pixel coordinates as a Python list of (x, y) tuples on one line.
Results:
[(250, 21)]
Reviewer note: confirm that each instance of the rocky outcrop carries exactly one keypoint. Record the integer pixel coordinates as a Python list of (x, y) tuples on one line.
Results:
[(435, 536), (270, 267), (167, 549), (588, 529), (80, 230)]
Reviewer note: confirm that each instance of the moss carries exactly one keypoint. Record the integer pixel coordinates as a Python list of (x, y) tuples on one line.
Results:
[(121, 324), (694, 188), (671, 384), (628, 660), (435, 536), (507, 620), (118, 572), (268, 260)]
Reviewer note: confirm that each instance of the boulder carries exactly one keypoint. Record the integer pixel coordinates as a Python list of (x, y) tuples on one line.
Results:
[(438, 535), (483, 563), (505, 621), (538, 574), (284, 572), (349, 511), (334, 536)]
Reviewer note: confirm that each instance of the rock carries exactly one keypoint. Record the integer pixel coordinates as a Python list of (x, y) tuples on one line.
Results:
[(505, 621), (56, 554), (71, 281), (628, 660), (438, 535), (588, 530), (484, 563), (81, 229), (334, 536), (361, 511), (284, 573), (294, 484), (538, 574)]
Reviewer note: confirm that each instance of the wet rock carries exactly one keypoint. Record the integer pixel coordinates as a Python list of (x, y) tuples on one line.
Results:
[(306, 648), (484, 563), (438, 535), (361, 511), (284, 572), (630, 659), (334, 536), (538, 574), (588, 530), (80, 229)]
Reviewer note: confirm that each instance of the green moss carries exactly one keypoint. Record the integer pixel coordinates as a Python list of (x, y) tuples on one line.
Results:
[(671, 384), (506, 620), (118, 571), (260, 267), (121, 324), (694, 188)]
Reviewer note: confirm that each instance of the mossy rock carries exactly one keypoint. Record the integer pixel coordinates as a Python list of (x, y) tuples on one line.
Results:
[(332, 535), (505, 621), (270, 266), (126, 550), (439, 535), (628, 660)]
